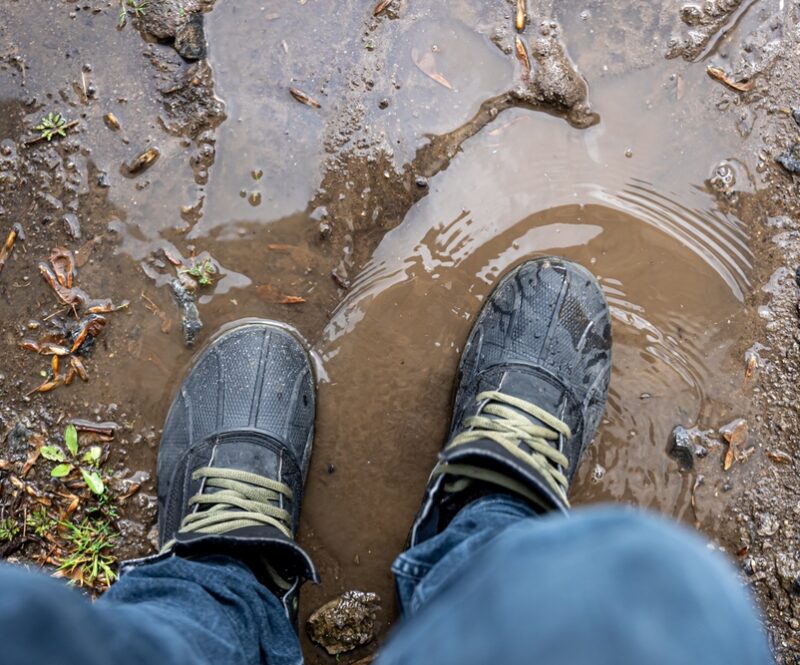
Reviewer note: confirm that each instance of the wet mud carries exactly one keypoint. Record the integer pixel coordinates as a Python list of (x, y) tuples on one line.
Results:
[(424, 152)]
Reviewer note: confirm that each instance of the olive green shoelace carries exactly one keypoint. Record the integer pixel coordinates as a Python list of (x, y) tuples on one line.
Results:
[(504, 419), (241, 500)]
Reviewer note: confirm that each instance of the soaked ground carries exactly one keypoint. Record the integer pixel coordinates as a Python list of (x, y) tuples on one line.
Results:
[(435, 162)]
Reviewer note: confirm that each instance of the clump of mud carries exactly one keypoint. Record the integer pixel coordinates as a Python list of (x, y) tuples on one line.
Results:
[(345, 623), (702, 21), (555, 83)]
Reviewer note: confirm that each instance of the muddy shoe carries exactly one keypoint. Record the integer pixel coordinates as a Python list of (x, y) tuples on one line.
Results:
[(235, 453), (531, 389)]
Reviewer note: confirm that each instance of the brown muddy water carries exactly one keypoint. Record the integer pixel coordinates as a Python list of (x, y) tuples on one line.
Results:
[(281, 194)]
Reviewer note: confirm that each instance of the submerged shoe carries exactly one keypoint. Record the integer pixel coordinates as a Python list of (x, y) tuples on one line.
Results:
[(532, 387), (235, 453)]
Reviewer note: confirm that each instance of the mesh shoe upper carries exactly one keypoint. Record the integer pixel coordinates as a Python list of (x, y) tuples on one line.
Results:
[(531, 389), (237, 441)]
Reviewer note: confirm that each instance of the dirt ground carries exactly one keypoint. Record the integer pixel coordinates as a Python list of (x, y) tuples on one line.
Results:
[(367, 178)]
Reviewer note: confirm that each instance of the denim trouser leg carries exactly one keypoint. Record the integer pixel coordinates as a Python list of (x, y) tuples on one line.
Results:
[(176, 611), (605, 586)]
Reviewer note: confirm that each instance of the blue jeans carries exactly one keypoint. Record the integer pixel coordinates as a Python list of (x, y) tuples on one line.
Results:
[(498, 585)]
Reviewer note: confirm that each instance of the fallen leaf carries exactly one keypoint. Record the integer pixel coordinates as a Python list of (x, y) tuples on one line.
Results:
[(522, 56), (719, 74), (735, 432), (303, 98), (112, 121), (426, 63), (381, 6), (271, 294), (519, 21), (143, 162), (135, 487), (728, 461), (779, 457)]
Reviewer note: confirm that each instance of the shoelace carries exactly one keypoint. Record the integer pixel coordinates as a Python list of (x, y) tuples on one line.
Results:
[(242, 499), (499, 419)]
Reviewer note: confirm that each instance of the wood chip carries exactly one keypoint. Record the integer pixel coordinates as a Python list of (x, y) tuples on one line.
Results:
[(719, 74), (303, 98)]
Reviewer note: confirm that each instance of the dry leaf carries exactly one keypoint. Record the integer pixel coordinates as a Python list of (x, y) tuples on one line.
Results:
[(271, 294), (112, 121), (426, 63), (303, 98), (383, 4), (143, 161), (779, 457), (728, 462), (519, 22), (719, 74), (522, 56)]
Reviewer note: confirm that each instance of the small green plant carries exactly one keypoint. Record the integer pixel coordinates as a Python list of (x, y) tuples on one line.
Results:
[(88, 463), (9, 529), (40, 522), (127, 7), (89, 561), (107, 507), (204, 272), (53, 124)]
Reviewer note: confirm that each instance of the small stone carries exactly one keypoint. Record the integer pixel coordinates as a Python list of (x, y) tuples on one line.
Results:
[(790, 160), (421, 182), (383, 104), (344, 623), (331, 468), (17, 439), (324, 229), (681, 447), (254, 198), (190, 38)]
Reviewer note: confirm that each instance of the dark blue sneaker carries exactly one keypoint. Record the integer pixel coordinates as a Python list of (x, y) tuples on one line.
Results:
[(531, 389), (235, 453)]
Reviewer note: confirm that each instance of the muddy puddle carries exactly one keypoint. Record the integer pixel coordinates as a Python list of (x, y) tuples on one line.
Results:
[(282, 195)]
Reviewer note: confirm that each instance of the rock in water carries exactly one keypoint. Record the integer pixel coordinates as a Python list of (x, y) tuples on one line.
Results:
[(345, 622), (681, 447)]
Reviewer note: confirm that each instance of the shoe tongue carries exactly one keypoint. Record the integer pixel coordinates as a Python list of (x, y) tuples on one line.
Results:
[(244, 452), (543, 391)]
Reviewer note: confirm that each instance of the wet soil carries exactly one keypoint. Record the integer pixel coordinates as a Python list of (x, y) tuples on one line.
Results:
[(430, 158)]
